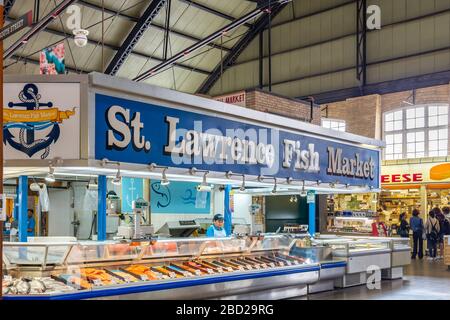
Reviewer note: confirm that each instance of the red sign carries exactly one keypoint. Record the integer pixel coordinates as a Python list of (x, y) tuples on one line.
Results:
[(402, 178), (236, 99)]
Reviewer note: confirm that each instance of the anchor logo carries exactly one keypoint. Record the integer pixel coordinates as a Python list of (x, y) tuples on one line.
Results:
[(29, 118)]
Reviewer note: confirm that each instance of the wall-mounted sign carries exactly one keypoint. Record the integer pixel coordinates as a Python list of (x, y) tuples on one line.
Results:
[(41, 120), (179, 198), (238, 98), (135, 132), (24, 21), (416, 173)]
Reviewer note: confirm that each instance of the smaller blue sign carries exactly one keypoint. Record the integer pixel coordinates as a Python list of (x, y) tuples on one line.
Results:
[(132, 189), (178, 198)]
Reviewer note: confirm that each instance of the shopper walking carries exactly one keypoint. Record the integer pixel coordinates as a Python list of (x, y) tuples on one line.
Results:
[(403, 229), (432, 229), (416, 224), (441, 218)]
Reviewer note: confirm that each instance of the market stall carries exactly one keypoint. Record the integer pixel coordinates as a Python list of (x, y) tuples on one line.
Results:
[(109, 130)]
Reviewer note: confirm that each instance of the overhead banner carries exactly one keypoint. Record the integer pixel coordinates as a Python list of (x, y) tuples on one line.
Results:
[(41, 120), (52, 60), (416, 173), (135, 132)]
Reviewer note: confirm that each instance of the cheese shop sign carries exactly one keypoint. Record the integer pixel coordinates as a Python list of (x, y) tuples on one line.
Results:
[(416, 173), (136, 132)]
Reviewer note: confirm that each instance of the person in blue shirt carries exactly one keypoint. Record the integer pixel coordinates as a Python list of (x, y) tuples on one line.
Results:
[(416, 225), (31, 223), (216, 230)]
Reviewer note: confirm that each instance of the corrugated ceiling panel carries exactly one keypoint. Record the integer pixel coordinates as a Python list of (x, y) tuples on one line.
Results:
[(304, 32)]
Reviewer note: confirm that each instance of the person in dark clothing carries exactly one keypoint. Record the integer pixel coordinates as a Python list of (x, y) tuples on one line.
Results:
[(441, 218), (403, 229), (432, 229), (416, 224)]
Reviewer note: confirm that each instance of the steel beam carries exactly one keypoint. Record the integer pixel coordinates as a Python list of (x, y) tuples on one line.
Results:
[(41, 25), (213, 11), (232, 56), (160, 67), (116, 48), (7, 8), (134, 36), (154, 25), (417, 82), (361, 43)]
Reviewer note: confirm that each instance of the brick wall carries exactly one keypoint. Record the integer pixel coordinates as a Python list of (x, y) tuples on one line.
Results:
[(287, 107), (363, 115), (360, 114)]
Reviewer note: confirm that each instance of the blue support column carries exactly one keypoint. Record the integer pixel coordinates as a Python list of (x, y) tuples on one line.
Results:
[(312, 218), (101, 212), (23, 208), (227, 210)]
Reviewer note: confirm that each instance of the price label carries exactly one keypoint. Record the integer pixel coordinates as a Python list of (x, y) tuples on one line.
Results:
[(272, 264), (281, 264), (144, 277), (8, 278), (289, 263), (97, 282), (249, 267), (257, 266), (295, 262), (220, 270), (264, 265), (187, 274), (230, 269), (241, 268), (210, 271), (172, 275)]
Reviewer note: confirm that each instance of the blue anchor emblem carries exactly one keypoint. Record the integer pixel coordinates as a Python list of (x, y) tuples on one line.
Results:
[(27, 142)]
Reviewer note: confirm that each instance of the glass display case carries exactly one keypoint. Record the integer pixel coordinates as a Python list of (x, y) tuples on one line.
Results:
[(96, 269), (346, 247)]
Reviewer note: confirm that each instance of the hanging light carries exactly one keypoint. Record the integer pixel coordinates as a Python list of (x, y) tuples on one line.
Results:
[(274, 190), (50, 178), (164, 180), (118, 179), (242, 188), (204, 186), (303, 193)]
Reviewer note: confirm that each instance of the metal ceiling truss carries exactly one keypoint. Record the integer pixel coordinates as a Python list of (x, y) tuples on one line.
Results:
[(116, 48), (134, 36), (37, 27), (253, 14), (155, 25), (240, 46), (7, 8), (213, 11), (361, 43)]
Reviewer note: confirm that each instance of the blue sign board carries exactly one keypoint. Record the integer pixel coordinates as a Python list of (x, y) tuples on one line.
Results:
[(132, 189), (178, 197), (135, 132)]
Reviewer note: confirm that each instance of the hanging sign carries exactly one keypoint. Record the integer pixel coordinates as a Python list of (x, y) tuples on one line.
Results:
[(52, 61), (41, 120), (135, 132), (24, 21)]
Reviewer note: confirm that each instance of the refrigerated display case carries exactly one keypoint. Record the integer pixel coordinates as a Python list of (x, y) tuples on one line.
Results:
[(252, 267), (360, 254)]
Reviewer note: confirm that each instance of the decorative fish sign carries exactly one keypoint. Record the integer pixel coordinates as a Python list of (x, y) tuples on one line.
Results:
[(164, 195), (24, 119)]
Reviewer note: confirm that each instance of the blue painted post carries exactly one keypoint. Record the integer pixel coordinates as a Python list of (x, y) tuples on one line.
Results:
[(23, 208), (312, 218), (101, 212), (227, 211)]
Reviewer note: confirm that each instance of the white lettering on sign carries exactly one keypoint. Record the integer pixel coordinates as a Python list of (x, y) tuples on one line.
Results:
[(306, 160), (206, 145), (128, 130), (355, 167)]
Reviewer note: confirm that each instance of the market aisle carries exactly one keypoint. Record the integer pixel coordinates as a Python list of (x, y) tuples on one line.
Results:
[(424, 280)]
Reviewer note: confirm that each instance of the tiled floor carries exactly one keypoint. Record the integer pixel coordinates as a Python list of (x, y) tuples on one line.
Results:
[(423, 280)]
